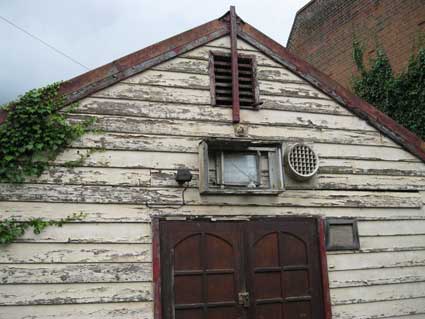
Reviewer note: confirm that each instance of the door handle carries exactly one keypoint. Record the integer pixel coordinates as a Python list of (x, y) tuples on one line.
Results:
[(243, 298)]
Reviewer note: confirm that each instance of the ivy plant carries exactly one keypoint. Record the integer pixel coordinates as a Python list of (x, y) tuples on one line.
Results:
[(34, 133), (11, 229), (401, 96)]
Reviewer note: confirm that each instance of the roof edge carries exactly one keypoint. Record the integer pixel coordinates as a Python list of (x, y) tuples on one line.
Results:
[(101, 77), (108, 74), (382, 122)]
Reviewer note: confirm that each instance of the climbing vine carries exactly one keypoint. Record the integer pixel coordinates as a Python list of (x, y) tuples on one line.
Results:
[(11, 229), (34, 133), (401, 96)]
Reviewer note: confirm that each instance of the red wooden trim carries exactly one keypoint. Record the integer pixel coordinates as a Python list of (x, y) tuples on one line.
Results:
[(353, 103), (156, 268), (235, 72), (324, 266), (104, 76)]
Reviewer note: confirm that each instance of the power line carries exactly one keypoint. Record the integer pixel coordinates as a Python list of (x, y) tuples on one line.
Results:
[(44, 42)]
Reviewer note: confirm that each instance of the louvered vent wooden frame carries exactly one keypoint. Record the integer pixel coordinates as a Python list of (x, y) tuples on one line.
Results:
[(220, 71)]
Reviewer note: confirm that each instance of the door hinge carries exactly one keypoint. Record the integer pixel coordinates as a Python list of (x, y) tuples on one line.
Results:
[(243, 297)]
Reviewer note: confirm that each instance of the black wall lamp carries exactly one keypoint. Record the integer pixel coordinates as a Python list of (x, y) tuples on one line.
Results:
[(183, 175)]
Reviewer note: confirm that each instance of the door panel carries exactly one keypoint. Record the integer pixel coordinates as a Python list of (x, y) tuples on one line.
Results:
[(283, 269), (202, 269), (205, 265)]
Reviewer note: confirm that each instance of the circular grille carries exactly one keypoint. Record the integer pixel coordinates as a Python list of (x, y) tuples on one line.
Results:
[(303, 162)]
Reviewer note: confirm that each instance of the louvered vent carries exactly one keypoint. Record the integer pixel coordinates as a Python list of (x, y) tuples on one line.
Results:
[(223, 80), (302, 161)]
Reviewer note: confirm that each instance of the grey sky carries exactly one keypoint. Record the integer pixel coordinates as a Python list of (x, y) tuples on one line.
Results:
[(95, 32)]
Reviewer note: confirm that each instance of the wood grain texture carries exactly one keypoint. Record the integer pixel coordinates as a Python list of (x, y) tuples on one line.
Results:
[(173, 196), (56, 294), (383, 309), (107, 106), (92, 233), (75, 273), (110, 213), (140, 310), (151, 124), (51, 253), (370, 277), (169, 127), (376, 260), (354, 295)]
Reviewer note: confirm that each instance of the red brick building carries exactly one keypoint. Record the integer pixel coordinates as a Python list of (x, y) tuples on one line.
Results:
[(324, 30)]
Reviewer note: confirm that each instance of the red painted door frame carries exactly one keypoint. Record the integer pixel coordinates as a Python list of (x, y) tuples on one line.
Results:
[(156, 266)]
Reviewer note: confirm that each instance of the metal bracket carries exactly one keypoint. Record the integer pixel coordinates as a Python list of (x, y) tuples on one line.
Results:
[(243, 298)]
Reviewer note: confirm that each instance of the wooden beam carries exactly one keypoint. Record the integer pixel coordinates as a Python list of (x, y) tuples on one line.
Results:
[(324, 264), (235, 73)]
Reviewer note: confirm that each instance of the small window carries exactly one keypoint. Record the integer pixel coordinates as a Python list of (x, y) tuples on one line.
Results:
[(240, 167), (221, 80), (342, 234)]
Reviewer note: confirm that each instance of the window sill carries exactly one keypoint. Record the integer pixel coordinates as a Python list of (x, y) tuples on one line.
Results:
[(242, 192)]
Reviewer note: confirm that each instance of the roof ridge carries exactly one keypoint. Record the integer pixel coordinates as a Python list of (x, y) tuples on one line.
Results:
[(108, 74)]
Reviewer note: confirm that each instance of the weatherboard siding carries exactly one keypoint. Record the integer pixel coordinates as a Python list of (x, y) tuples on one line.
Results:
[(149, 125)]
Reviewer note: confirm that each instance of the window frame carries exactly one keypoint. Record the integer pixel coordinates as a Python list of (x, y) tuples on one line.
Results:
[(211, 72), (273, 152), (342, 221)]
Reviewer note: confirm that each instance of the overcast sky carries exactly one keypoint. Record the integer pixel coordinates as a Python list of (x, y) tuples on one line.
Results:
[(95, 32)]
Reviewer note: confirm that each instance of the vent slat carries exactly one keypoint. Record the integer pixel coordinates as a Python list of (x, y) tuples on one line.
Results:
[(223, 80)]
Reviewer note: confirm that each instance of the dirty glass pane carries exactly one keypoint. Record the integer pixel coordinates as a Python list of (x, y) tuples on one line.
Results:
[(341, 235), (240, 169)]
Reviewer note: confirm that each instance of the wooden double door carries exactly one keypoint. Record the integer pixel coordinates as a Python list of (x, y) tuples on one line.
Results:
[(265, 269)]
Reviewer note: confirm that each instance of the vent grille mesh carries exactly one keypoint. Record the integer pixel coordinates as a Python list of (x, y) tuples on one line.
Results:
[(303, 160), (223, 80)]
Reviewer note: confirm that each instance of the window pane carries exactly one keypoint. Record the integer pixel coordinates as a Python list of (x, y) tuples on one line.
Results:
[(341, 235), (240, 169)]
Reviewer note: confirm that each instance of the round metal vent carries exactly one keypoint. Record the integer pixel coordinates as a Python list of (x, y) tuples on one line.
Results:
[(302, 161)]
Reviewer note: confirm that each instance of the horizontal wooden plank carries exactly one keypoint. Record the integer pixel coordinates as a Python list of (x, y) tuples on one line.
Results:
[(92, 233), (139, 195), (28, 253), (376, 260), (75, 273), (57, 294), (138, 142), (173, 79), (312, 199), (382, 242), (140, 310), (170, 161), (137, 125), (128, 159), (155, 93), (94, 176), (142, 213), (203, 52), (166, 178), (355, 295), (383, 309), (196, 66), (371, 153), (363, 182), (132, 168), (224, 42), (370, 277), (105, 106), (385, 228), (89, 194), (347, 162), (367, 167)]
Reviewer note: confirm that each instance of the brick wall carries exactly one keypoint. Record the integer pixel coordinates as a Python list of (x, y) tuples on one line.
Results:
[(324, 30)]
